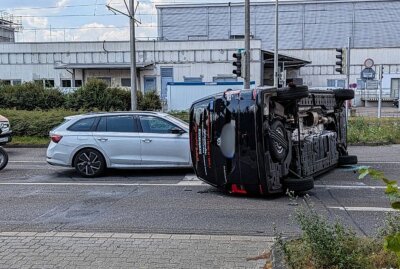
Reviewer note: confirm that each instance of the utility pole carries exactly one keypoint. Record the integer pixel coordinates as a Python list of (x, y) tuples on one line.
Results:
[(276, 58), (247, 45), (132, 21), (133, 55)]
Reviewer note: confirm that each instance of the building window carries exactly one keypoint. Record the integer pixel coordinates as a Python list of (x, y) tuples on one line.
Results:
[(66, 83), (150, 84), (336, 83), (5, 82), (395, 88), (49, 83), (166, 77), (78, 83), (224, 79), (125, 82), (16, 82), (192, 79)]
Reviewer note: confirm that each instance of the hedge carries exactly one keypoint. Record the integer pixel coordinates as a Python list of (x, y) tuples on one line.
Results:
[(95, 95)]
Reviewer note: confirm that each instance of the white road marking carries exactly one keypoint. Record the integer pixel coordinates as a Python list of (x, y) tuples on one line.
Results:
[(180, 184), (382, 162), (350, 187), (363, 209)]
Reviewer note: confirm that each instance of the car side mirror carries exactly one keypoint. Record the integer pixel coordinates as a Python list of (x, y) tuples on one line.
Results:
[(177, 130)]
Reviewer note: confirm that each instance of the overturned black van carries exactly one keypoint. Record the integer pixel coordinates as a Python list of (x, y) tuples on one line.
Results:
[(269, 140)]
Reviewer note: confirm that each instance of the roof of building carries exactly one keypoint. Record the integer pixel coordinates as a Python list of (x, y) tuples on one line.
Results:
[(289, 61), (272, 2)]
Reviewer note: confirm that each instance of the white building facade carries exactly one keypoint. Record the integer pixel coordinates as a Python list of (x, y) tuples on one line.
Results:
[(70, 64)]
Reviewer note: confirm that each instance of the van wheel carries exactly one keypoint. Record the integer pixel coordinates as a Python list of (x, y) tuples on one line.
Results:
[(348, 160), (344, 94), (278, 142), (298, 184), (89, 163), (292, 93)]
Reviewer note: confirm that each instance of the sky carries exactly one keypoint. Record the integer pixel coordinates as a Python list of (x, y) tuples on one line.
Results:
[(83, 20)]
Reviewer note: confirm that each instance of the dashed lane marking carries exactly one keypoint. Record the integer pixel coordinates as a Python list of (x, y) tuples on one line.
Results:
[(363, 209)]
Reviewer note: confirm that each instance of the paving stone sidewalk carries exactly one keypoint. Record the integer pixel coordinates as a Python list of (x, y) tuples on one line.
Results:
[(117, 250)]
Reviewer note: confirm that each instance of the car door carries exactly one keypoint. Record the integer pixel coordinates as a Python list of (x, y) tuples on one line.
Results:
[(159, 145), (119, 138)]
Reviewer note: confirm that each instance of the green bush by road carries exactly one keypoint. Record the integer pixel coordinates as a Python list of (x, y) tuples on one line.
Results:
[(374, 131), (95, 95)]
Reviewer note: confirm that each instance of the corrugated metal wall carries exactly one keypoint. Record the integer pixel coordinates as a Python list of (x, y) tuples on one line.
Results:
[(302, 25)]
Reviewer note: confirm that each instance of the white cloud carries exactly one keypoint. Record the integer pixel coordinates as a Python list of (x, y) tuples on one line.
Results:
[(62, 3)]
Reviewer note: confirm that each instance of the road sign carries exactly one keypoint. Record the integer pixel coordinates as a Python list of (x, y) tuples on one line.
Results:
[(372, 84), (368, 74)]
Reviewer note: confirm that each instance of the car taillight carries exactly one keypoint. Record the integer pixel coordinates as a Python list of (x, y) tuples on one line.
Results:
[(56, 138)]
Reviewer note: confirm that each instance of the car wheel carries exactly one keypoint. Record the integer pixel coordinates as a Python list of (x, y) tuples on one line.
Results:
[(292, 93), (298, 184), (344, 94), (3, 158), (348, 160), (89, 163), (278, 142)]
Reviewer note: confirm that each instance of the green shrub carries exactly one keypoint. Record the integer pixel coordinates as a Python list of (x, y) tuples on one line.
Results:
[(96, 95), (30, 96), (332, 246), (150, 101), (35, 123)]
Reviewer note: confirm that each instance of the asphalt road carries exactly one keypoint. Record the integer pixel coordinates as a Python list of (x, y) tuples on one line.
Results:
[(37, 197)]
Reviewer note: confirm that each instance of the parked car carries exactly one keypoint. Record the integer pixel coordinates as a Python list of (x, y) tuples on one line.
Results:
[(268, 140), (396, 103), (5, 131), (93, 142)]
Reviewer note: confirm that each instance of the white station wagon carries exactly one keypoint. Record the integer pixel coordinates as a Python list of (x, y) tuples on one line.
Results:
[(93, 142)]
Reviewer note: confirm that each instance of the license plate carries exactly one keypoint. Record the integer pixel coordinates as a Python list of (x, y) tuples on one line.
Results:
[(4, 139)]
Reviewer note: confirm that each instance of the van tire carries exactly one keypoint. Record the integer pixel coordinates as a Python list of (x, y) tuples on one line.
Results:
[(344, 94), (290, 94), (298, 184), (278, 141), (347, 160)]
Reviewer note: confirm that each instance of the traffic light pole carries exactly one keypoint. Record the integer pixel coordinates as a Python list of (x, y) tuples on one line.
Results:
[(247, 45), (348, 75), (380, 92)]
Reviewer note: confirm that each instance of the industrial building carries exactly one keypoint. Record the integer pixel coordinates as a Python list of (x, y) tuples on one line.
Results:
[(309, 30)]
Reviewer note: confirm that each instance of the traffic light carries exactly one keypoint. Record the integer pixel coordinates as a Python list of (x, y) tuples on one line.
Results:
[(382, 68), (238, 64), (341, 62)]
